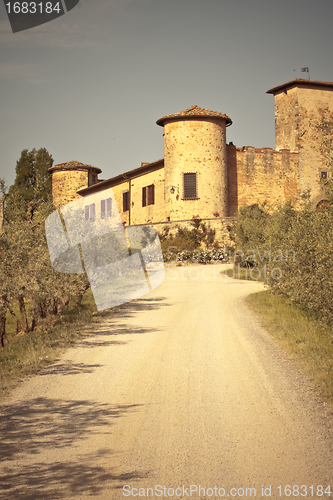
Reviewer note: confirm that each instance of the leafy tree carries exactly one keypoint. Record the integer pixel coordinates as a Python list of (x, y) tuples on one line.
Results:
[(3, 196), (325, 129), (26, 274), (33, 183)]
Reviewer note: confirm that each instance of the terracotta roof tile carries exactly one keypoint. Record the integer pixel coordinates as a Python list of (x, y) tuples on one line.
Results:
[(126, 176), (194, 112), (302, 82)]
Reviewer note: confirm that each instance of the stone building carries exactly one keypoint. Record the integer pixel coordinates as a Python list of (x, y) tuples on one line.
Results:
[(203, 176)]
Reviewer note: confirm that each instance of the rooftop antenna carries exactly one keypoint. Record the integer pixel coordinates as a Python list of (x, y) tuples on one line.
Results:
[(306, 70)]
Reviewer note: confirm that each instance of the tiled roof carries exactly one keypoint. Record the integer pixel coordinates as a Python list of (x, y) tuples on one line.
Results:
[(126, 176), (302, 82), (194, 112), (73, 165)]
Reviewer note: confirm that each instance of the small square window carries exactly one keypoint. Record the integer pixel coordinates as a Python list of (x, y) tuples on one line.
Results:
[(323, 175)]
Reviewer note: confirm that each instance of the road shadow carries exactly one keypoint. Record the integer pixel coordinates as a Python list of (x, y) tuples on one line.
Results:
[(33, 431), (112, 325), (129, 308), (68, 368), (107, 330), (61, 480)]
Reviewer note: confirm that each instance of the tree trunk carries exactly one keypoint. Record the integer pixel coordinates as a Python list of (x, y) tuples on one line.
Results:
[(23, 312), (79, 296), (3, 339), (44, 308), (18, 323), (2, 210)]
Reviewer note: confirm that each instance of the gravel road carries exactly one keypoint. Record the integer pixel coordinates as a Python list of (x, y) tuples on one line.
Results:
[(181, 389)]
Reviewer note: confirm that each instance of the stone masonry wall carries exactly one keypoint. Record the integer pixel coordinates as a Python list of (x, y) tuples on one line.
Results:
[(195, 146), (232, 180), (297, 110), (222, 234), (265, 175), (66, 183)]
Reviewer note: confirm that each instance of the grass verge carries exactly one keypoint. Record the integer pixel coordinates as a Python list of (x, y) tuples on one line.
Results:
[(243, 273), (27, 354), (301, 334)]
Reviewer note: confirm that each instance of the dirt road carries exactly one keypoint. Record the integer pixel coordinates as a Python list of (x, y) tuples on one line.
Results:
[(180, 390)]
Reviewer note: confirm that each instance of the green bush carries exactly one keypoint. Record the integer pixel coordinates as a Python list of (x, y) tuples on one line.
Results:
[(293, 249), (195, 238)]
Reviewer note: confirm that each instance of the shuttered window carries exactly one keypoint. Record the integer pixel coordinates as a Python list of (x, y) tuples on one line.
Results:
[(148, 195), (144, 196), (102, 209), (126, 201), (92, 212), (89, 212), (151, 195), (190, 185), (108, 207)]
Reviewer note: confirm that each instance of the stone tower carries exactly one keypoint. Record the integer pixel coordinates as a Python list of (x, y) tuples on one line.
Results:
[(195, 163), (68, 178), (299, 104)]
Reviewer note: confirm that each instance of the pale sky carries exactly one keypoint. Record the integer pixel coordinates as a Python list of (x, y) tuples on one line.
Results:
[(90, 85)]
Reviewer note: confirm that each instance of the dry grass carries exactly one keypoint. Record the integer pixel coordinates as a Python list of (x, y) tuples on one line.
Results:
[(301, 334)]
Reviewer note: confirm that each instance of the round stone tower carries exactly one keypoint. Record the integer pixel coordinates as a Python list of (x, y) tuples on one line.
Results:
[(68, 178), (195, 164)]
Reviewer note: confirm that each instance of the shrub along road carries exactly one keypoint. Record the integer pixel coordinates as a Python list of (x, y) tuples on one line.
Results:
[(181, 387)]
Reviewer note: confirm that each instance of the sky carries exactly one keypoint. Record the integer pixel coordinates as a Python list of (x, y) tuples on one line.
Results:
[(90, 85)]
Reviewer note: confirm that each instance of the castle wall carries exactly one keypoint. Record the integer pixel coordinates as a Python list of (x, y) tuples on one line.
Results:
[(264, 175), (66, 183), (297, 110), (232, 180), (195, 146)]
